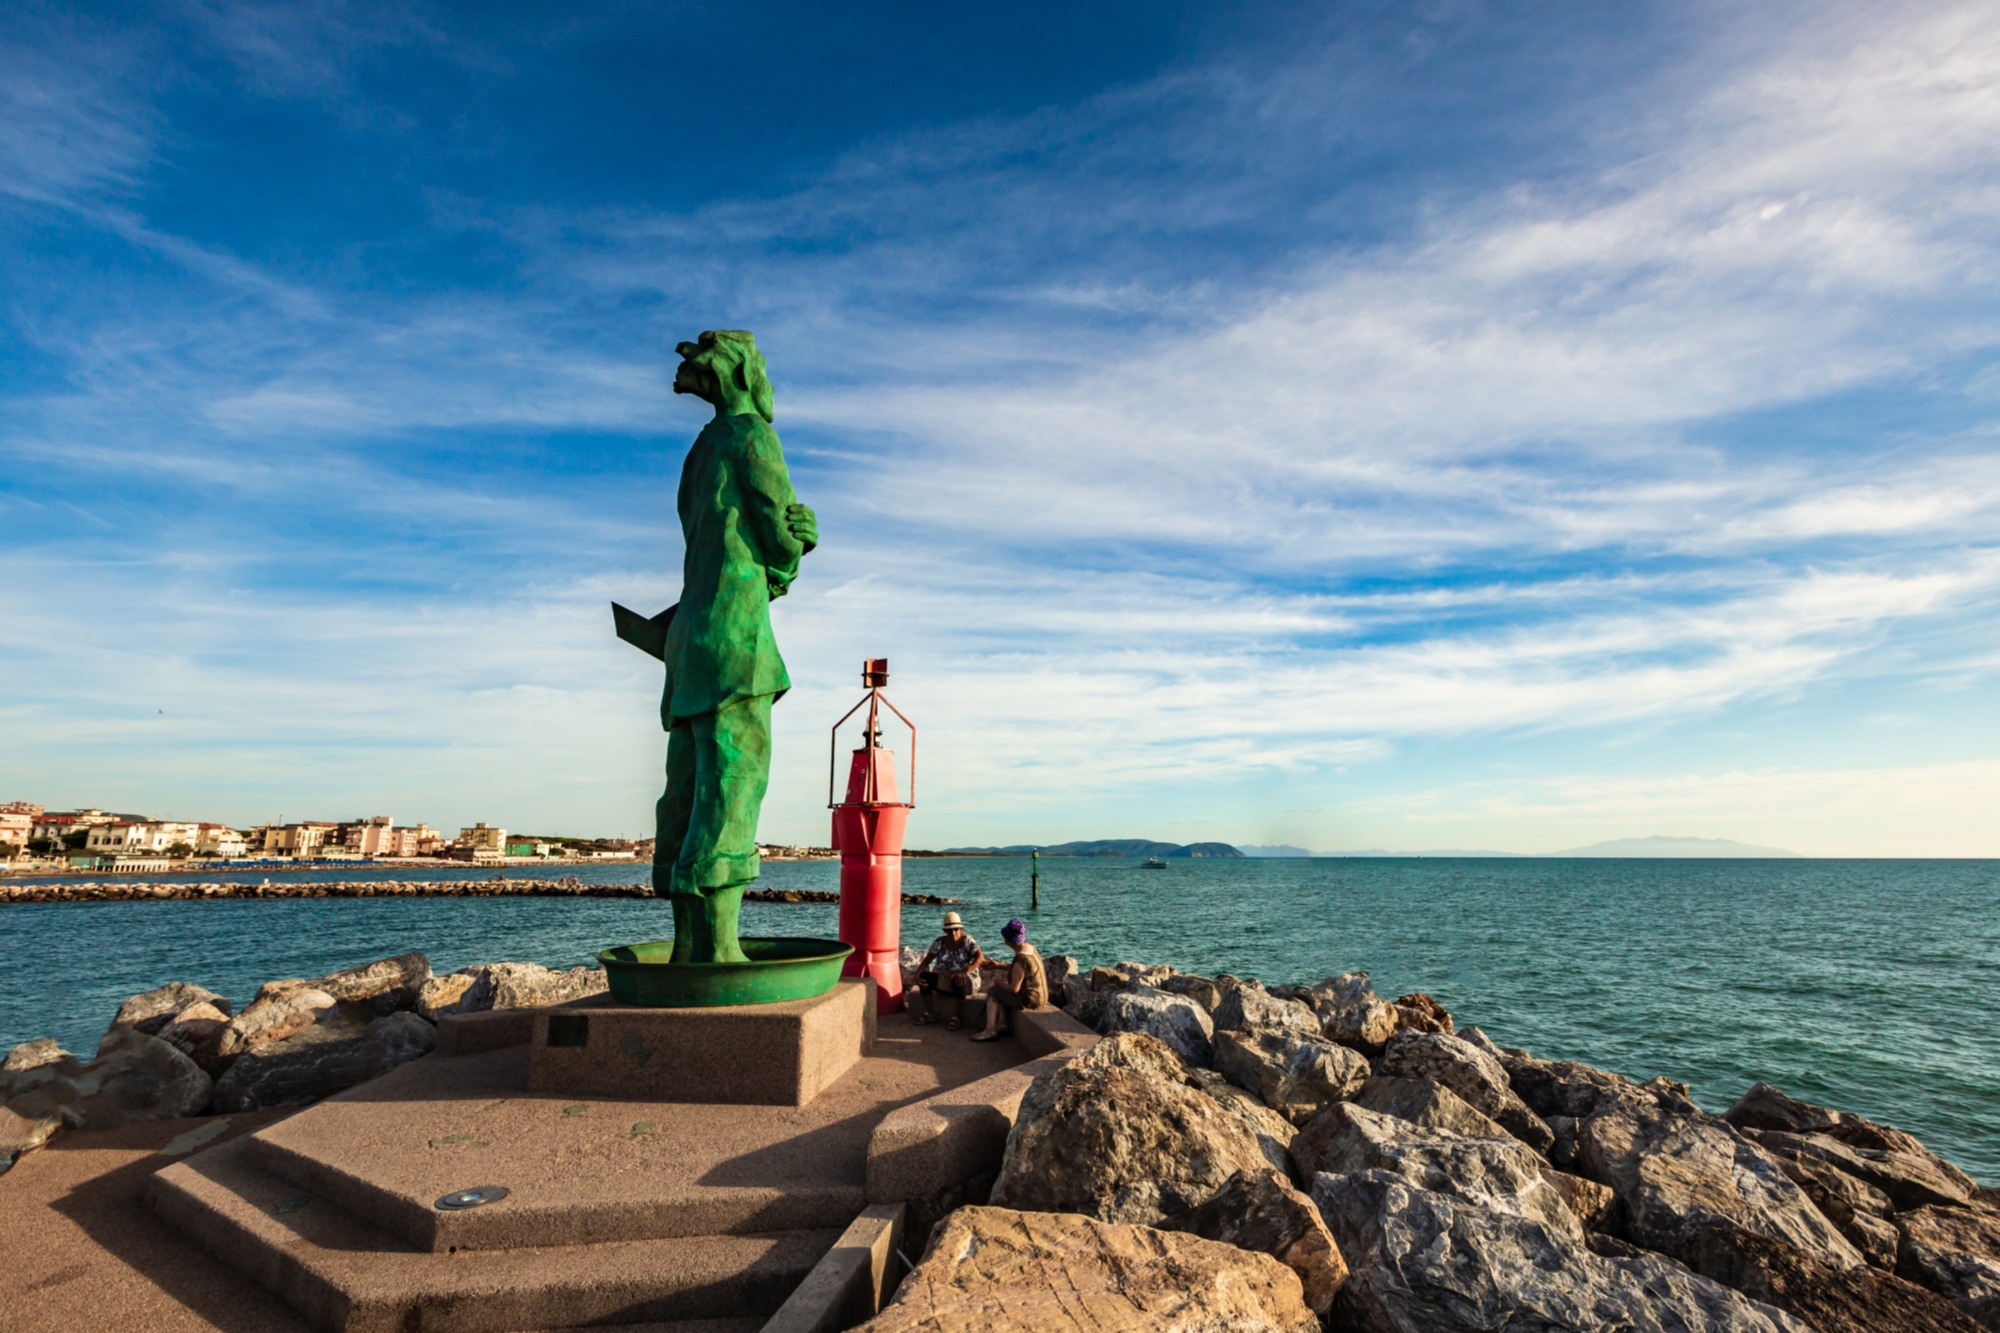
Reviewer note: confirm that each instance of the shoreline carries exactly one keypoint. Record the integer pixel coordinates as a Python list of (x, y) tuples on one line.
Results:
[(125, 890)]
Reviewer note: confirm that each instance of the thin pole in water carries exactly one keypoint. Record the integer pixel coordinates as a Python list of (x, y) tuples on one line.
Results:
[(1035, 880)]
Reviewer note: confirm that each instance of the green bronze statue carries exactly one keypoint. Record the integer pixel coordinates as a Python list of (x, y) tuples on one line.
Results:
[(746, 533)]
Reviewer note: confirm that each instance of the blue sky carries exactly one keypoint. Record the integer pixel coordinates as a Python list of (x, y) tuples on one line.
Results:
[(1442, 425)]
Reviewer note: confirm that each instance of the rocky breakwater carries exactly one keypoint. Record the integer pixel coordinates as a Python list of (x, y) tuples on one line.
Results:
[(136, 890), (183, 1050), (1251, 1157)]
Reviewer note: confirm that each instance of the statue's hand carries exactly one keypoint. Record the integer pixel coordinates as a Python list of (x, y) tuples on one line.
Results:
[(804, 525)]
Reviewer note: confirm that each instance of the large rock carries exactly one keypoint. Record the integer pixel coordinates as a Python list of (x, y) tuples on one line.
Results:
[(1113, 1136), (1856, 1300), (1259, 1210), (1201, 990), (1501, 1175), (1351, 1013), (137, 1077), (1274, 1133), (279, 1010), (1064, 973), (1251, 1006), (1426, 1103), (34, 1054), (1418, 1012), (1293, 1073), (1764, 1107), (1956, 1253), (1475, 1076), (197, 1032), (1427, 1262), (1859, 1210), (995, 1270), (378, 988), (1681, 1176), (25, 1125), (508, 986), (152, 1010), (1120, 975), (320, 1060), (1174, 1019), (1910, 1180)]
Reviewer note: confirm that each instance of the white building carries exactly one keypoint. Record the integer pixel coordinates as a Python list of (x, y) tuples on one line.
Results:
[(481, 837), (219, 840), (132, 836)]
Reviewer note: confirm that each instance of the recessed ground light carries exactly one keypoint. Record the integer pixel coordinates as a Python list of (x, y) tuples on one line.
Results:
[(472, 1198)]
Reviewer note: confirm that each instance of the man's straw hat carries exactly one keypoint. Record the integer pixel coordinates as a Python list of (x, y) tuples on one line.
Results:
[(951, 919)]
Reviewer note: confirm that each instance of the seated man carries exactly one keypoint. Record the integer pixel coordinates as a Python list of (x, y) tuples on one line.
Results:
[(947, 966), (1026, 985)]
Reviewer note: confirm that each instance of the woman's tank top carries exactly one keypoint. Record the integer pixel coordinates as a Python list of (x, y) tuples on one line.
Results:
[(1035, 981)]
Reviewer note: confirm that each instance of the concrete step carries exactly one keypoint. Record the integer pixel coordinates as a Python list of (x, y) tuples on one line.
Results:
[(346, 1276)]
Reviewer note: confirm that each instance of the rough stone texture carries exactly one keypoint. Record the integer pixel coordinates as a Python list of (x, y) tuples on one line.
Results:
[(1201, 990), (1764, 1107), (524, 985), (196, 1032), (1910, 1180), (1423, 1262), (1174, 1019), (281, 1009), (25, 1125), (1681, 1176), (154, 1009), (1261, 1211), (1065, 976), (1427, 1103), (136, 1078), (1351, 1013), (34, 1054), (1860, 1211), (1418, 1012), (387, 986), (321, 1060), (1475, 1076), (440, 995), (1293, 1073), (994, 1270), (1120, 975), (1273, 1132), (1592, 1203), (1956, 1253), (1858, 1300), (1251, 1006), (1108, 1136), (1500, 1175), (1563, 1087)]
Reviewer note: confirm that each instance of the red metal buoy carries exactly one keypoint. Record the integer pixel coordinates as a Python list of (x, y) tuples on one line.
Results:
[(868, 833)]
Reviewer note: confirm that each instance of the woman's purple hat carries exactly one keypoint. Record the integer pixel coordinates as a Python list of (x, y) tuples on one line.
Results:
[(1015, 931)]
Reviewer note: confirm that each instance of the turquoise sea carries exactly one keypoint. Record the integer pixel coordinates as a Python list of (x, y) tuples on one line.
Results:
[(1867, 985)]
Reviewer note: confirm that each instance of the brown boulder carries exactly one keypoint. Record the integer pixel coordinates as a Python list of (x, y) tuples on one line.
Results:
[(995, 1270), (383, 987), (280, 1010), (1856, 1300), (1259, 1210), (320, 1060), (1426, 1103), (1201, 990), (152, 1010), (1956, 1253), (1107, 1136), (34, 1054), (1418, 1012), (1274, 1133), (1909, 1179), (196, 1032), (1251, 1006), (1351, 1013), (137, 1078)]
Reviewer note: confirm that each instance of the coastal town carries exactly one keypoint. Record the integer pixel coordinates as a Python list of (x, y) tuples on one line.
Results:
[(33, 837)]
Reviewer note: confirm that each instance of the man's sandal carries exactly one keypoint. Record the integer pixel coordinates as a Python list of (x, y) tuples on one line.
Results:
[(953, 1026)]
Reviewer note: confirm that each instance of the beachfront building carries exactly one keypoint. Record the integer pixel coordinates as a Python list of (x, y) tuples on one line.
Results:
[(131, 837), (219, 840), (16, 828), (307, 838), (480, 836), (375, 836)]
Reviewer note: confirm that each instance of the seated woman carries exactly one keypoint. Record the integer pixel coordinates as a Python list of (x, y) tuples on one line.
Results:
[(947, 966), (1026, 985)]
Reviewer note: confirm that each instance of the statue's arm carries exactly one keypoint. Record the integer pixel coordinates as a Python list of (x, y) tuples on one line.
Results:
[(769, 500)]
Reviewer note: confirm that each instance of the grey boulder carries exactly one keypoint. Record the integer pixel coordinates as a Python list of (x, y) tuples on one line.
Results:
[(507, 986), (1294, 1073), (1174, 1019), (149, 1011), (1956, 1253), (34, 1054), (1427, 1262), (1201, 990), (321, 1060), (374, 989), (1351, 1013), (1251, 1006), (1478, 1079), (1426, 1103), (1274, 1133), (1909, 1179), (1120, 1134)]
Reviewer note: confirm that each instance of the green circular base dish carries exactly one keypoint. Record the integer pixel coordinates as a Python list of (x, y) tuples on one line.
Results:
[(778, 970)]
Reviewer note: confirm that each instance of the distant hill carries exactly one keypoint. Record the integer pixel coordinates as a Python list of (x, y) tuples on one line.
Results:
[(1105, 847), (1286, 849), (1657, 846)]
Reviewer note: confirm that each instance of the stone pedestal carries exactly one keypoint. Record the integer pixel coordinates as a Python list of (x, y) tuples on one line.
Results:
[(752, 1054)]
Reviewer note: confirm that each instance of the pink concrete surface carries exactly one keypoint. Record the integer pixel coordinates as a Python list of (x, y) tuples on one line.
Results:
[(580, 1170)]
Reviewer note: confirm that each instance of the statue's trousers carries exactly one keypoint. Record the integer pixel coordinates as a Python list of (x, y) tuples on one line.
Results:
[(718, 765)]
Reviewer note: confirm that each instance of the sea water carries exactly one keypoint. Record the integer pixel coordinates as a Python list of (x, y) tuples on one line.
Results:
[(1865, 985)]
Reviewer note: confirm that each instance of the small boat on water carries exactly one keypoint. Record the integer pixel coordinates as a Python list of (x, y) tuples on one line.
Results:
[(1152, 863)]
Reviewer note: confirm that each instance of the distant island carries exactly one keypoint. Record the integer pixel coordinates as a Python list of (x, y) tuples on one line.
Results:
[(1105, 847), (1657, 846)]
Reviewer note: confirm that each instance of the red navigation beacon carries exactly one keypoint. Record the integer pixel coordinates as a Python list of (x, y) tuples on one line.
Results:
[(868, 833)]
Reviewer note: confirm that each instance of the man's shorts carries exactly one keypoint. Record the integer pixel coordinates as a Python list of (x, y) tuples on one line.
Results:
[(930, 983)]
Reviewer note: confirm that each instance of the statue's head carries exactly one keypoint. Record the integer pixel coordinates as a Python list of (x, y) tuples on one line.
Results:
[(724, 367)]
